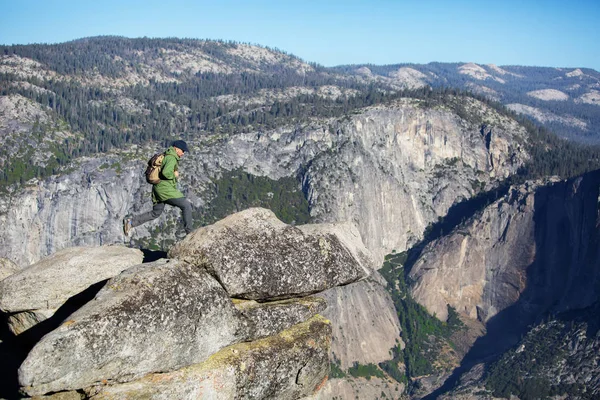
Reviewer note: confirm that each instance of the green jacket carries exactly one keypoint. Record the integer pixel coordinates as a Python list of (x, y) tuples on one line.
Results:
[(167, 187)]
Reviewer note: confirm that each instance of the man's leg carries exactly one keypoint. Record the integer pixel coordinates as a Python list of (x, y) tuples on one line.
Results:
[(186, 210), (156, 211)]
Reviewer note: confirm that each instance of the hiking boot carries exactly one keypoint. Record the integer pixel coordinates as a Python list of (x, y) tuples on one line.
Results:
[(127, 226)]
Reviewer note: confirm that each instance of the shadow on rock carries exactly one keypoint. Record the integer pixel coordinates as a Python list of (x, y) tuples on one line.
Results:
[(456, 215), (153, 255), (503, 331), (12, 354), (560, 278), (14, 349)]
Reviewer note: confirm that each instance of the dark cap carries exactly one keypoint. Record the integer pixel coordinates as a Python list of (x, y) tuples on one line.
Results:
[(180, 144)]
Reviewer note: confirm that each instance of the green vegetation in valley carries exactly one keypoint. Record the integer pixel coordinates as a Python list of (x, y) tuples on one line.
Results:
[(391, 367), (365, 371), (422, 333), (336, 371)]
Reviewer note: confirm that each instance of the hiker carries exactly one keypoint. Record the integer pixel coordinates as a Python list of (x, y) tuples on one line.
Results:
[(165, 191)]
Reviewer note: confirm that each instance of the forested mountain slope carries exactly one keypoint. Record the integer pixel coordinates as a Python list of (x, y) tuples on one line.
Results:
[(63, 101)]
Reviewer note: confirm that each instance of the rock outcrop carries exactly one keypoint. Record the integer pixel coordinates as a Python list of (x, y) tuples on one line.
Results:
[(34, 293), (156, 317), (272, 317), (171, 326), (256, 256)]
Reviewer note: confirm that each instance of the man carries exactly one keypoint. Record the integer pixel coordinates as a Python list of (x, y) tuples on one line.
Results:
[(166, 192)]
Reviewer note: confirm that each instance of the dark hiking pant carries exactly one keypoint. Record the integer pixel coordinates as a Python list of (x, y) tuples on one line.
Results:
[(157, 210)]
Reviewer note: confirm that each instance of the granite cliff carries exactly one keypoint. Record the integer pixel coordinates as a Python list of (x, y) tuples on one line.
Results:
[(404, 153), (537, 245), (529, 258)]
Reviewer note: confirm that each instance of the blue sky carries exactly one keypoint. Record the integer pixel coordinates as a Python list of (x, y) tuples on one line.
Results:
[(332, 32)]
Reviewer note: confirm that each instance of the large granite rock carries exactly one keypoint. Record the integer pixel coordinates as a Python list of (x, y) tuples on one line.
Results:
[(34, 293), (153, 317), (290, 365), (256, 256), (535, 248), (7, 268)]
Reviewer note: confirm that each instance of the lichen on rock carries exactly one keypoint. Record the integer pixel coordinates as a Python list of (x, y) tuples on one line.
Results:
[(290, 365), (256, 256)]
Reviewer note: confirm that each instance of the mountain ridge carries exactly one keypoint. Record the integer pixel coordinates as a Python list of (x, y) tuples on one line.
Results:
[(90, 96)]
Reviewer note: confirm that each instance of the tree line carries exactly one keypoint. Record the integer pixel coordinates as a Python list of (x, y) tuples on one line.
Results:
[(188, 108)]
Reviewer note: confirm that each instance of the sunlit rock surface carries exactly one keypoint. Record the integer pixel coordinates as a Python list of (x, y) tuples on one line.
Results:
[(34, 293), (256, 256), (154, 317)]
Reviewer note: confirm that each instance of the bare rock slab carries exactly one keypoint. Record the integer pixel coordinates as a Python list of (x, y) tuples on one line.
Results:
[(270, 318), (40, 289), (365, 323), (290, 365), (256, 256), (153, 317)]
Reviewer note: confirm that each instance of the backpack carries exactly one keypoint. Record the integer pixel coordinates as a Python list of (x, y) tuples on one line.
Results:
[(153, 169)]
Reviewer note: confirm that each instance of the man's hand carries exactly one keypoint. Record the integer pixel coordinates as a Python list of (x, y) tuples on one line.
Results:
[(176, 174)]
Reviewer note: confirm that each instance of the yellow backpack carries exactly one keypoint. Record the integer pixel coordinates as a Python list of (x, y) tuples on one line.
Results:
[(153, 169)]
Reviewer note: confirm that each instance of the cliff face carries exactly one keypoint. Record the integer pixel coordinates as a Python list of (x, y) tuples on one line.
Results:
[(397, 169), (379, 169), (536, 248), (366, 325), (83, 207), (531, 255)]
